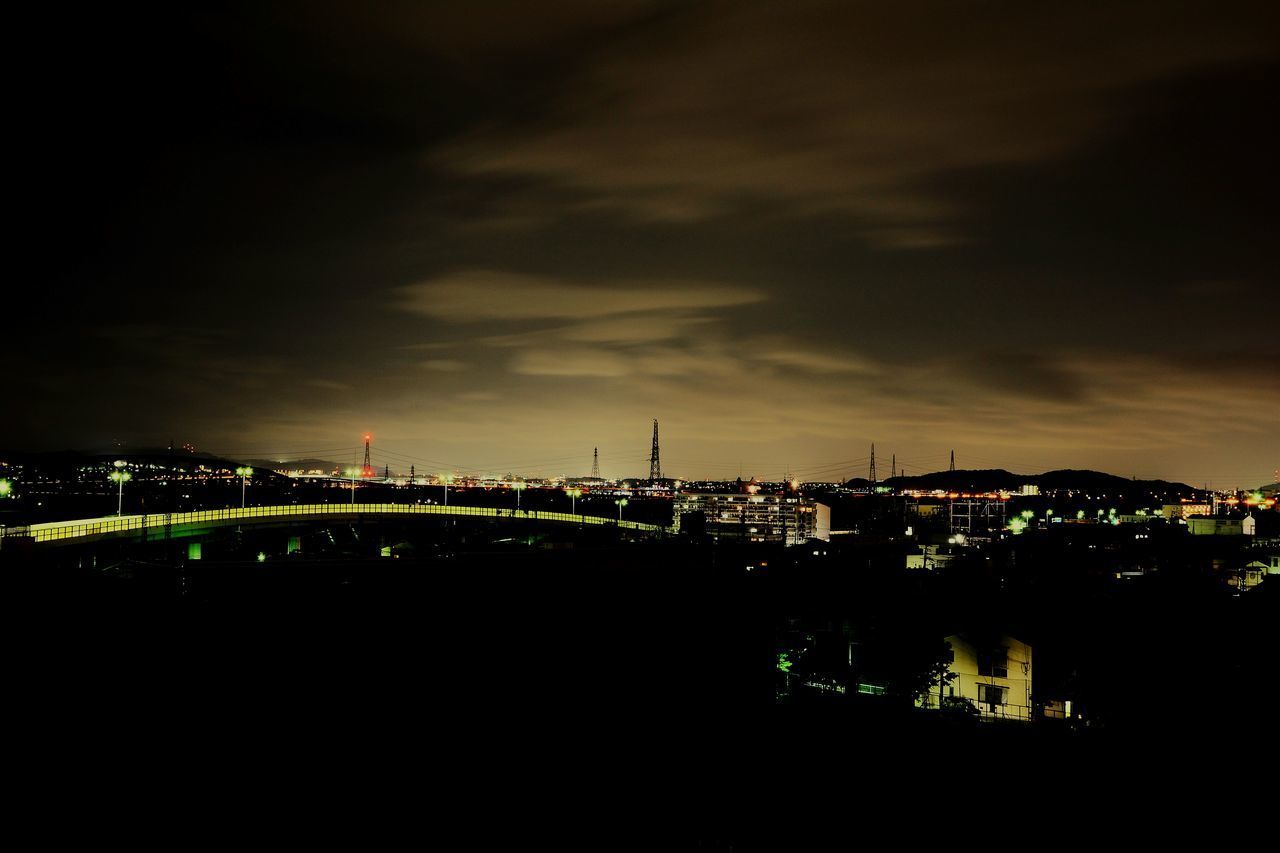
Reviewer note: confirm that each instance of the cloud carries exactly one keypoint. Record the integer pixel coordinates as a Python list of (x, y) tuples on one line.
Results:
[(833, 106), (814, 361), (483, 295), (635, 330), (570, 361), (443, 365)]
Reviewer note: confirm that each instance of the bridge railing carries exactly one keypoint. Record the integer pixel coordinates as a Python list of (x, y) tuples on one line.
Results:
[(82, 528)]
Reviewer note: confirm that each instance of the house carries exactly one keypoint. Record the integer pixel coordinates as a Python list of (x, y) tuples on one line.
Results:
[(991, 674), (1255, 571)]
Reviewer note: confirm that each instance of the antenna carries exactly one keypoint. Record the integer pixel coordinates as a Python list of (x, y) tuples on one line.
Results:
[(655, 466)]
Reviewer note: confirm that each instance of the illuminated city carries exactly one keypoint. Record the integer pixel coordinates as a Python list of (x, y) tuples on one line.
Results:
[(764, 417)]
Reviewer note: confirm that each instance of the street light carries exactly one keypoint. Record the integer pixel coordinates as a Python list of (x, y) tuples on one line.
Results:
[(621, 502), (446, 479), (6, 488), (119, 477), (243, 472), (574, 494), (352, 473), (519, 487)]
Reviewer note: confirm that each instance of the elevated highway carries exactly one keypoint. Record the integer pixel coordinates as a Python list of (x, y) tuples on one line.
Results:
[(158, 526)]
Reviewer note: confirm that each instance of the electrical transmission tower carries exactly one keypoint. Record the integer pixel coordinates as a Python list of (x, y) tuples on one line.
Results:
[(893, 466), (872, 478), (655, 467), (953, 461), (595, 464), (368, 466)]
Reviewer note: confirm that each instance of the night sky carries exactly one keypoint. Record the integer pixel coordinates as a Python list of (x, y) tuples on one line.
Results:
[(499, 234)]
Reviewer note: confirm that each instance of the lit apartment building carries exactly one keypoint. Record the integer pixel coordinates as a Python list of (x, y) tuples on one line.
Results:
[(758, 518)]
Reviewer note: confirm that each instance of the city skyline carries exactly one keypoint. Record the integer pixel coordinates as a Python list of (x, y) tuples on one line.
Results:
[(1041, 239)]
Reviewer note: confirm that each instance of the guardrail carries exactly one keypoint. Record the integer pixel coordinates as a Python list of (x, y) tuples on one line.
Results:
[(60, 531)]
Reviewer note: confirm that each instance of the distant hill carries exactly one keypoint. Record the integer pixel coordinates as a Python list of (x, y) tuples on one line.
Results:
[(998, 479), (298, 465), (64, 461)]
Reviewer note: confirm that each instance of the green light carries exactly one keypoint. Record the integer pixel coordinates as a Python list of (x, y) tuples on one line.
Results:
[(244, 471), (1028, 514), (1079, 514), (352, 473), (1017, 526), (519, 487), (5, 488), (262, 557), (120, 476), (783, 663)]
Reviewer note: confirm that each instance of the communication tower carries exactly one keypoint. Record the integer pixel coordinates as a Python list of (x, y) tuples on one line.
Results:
[(655, 466)]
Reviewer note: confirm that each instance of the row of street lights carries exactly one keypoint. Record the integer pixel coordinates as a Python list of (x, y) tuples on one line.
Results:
[(517, 487), (120, 476)]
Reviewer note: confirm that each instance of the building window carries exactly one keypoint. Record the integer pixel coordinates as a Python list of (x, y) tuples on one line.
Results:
[(991, 695), (994, 664)]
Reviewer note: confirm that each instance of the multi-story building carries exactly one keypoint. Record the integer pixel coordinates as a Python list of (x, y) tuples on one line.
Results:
[(790, 519), (993, 676), (1185, 510)]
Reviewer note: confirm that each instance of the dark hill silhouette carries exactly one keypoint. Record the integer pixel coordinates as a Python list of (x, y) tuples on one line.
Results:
[(299, 465), (998, 479)]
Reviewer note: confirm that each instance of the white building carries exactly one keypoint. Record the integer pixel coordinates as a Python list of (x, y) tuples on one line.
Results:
[(1215, 526), (758, 518), (993, 676)]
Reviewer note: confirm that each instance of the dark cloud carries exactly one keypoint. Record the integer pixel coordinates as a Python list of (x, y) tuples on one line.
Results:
[(1044, 234)]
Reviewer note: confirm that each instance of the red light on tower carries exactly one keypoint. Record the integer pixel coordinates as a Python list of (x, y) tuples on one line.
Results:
[(367, 470)]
